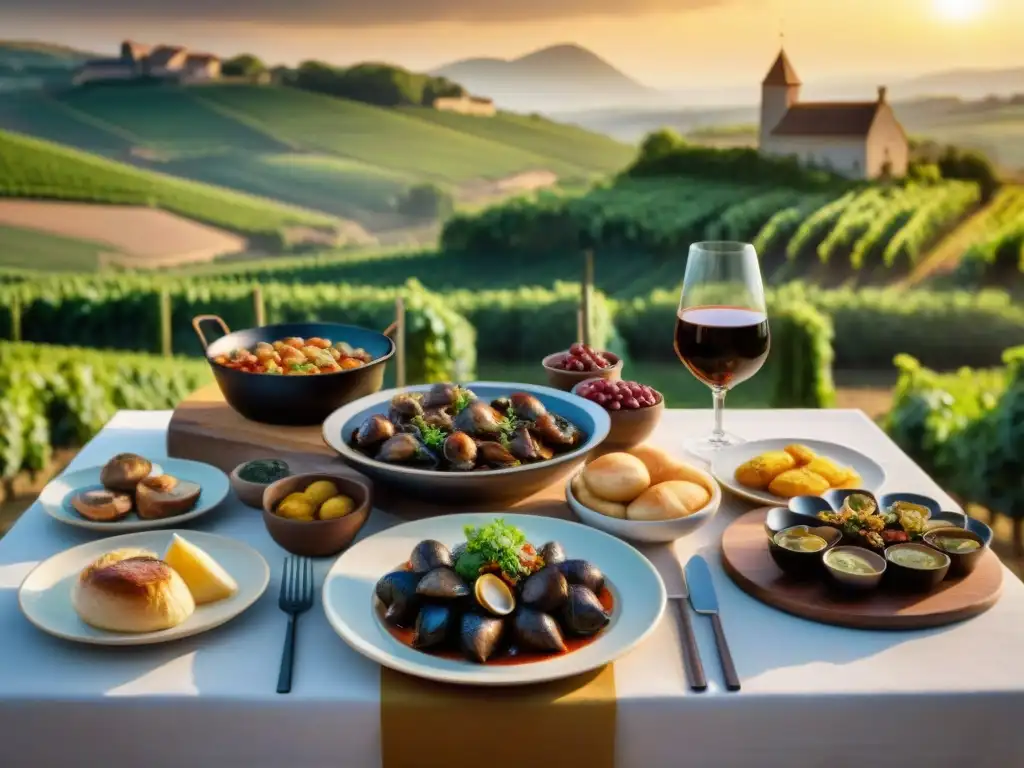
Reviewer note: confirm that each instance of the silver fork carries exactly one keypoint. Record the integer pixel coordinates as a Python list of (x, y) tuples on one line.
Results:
[(296, 597)]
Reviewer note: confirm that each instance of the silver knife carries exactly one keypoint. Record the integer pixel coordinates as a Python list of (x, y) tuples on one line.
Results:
[(691, 652), (704, 600)]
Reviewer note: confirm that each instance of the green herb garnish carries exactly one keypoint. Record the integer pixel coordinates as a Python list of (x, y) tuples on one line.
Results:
[(431, 435), (498, 543), (463, 397), (508, 424)]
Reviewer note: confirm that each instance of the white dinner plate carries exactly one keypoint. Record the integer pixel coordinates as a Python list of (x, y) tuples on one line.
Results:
[(348, 598), (56, 496), (45, 594), (726, 460)]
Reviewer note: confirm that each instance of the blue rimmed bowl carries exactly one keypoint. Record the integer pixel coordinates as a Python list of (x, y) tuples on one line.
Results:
[(481, 487), (802, 508)]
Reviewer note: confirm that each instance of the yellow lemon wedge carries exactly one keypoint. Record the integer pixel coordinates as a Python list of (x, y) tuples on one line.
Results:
[(205, 578)]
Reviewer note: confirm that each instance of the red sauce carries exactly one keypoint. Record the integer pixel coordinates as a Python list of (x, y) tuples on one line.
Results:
[(510, 653)]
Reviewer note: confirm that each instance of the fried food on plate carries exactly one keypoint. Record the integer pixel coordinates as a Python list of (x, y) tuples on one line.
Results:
[(761, 470), (798, 482), (801, 453), (835, 474)]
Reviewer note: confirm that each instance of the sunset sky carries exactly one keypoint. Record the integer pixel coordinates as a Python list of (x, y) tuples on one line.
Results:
[(662, 43)]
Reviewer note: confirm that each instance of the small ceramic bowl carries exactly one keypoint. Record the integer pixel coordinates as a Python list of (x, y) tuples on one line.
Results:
[(648, 531), (566, 380), (854, 582), (315, 538), (250, 493), (629, 428), (916, 578), (961, 563), (802, 563)]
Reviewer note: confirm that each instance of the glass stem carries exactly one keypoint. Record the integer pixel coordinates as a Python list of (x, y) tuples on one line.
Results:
[(718, 395)]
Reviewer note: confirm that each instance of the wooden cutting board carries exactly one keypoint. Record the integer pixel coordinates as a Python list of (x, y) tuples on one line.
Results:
[(746, 559), (205, 428)]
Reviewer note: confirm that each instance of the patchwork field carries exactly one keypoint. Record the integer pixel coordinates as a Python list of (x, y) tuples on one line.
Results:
[(336, 156), (33, 249), (129, 236)]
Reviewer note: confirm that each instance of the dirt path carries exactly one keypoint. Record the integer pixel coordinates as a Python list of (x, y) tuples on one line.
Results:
[(482, 190), (945, 257), (145, 237)]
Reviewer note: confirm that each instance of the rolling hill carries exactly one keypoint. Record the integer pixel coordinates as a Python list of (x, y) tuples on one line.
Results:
[(32, 168), (27, 64), (563, 76), (341, 157)]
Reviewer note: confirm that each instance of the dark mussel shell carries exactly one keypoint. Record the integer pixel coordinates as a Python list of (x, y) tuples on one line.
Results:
[(374, 431), (442, 584), (525, 447), (404, 407), (460, 451), (501, 405), (527, 407), (546, 590), (441, 395), (457, 551), (428, 555), (583, 613), (479, 635), (437, 417), (480, 420), (537, 631), (496, 455), (556, 431), (406, 448), (583, 572), (433, 626), (397, 590), (553, 553)]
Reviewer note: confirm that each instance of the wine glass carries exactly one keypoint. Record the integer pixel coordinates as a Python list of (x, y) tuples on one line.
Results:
[(722, 332)]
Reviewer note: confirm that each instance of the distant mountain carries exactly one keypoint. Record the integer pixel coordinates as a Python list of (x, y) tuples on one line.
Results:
[(965, 83), (561, 76)]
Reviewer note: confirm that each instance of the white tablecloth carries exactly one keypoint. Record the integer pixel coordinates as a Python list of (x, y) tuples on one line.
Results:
[(812, 695)]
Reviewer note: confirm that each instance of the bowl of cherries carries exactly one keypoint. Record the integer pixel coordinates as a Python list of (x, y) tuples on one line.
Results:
[(580, 362), (634, 408)]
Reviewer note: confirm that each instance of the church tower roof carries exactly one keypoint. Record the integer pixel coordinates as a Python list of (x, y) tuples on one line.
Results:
[(782, 72)]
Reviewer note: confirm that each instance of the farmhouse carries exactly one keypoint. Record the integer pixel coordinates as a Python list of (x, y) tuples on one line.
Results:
[(466, 105), (859, 139), (164, 62)]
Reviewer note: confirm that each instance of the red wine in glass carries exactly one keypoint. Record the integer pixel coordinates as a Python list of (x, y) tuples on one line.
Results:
[(721, 345)]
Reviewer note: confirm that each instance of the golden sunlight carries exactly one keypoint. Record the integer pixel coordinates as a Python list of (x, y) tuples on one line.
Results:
[(959, 10)]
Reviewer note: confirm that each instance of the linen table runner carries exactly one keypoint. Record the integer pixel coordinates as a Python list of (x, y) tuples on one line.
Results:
[(427, 724)]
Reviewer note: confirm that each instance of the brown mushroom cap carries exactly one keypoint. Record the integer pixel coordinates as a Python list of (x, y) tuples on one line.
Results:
[(102, 506), (125, 471)]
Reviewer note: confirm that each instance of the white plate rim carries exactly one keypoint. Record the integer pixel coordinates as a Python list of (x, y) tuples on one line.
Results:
[(163, 635), (755, 447), (556, 668), (54, 508)]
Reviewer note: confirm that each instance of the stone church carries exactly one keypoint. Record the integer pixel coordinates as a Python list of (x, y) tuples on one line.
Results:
[(859, 139)]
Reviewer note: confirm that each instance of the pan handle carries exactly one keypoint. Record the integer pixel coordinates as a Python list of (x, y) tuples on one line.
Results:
[(390, 329), (198, 320)]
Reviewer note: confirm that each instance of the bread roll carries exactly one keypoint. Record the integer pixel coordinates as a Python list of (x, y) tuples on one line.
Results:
[(590, 501), (125, 591), (668, 501), (617, 477)]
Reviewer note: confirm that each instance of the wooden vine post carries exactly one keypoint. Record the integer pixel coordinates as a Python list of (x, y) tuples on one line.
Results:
[(165, 323), (258, 307), (15, 318), (586, 292), (400, 341)]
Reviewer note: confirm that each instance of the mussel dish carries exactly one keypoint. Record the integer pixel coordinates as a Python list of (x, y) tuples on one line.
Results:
[(449, 429), (494, 598)]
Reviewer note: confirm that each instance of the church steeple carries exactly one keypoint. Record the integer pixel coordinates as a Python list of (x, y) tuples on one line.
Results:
[(782, 72)]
